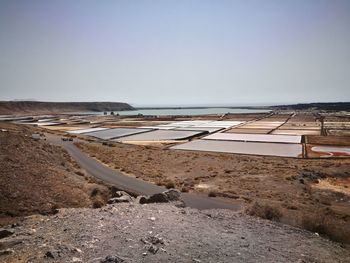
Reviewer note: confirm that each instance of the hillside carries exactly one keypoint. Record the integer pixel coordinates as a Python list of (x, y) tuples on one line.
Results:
[(329, 106), (36, 177), (23, 107)]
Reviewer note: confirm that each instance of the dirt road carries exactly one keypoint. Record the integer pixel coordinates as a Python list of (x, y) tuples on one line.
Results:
[(139, 187)]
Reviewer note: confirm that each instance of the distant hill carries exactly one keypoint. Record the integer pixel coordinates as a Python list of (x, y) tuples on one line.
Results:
[(331, 106), (22, 107)]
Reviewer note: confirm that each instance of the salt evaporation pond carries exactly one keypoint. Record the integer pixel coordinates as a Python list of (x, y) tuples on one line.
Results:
[(254, 148)]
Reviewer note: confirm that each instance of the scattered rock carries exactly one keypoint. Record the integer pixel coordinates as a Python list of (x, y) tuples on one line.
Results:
[(112, 259), (155, 240), (6, 252), (51, 254), (153, 249), (121, 193), (171, 195), (121, 197), (5, 233), (158, 198)]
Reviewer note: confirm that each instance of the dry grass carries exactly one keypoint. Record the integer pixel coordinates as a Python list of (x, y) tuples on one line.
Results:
[(264, 211)]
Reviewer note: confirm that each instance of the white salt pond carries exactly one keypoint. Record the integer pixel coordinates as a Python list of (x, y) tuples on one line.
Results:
[(81, 131), (116, 133), (161, 135), (254, 148), (254, 137)]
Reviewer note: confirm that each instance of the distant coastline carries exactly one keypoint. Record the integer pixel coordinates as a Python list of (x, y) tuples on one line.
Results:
[(40, 107)]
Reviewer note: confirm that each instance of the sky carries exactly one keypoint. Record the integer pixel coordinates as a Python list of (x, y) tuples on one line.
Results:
[(179, 52)]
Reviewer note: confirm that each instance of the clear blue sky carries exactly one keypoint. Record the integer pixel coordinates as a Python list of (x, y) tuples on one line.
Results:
[(175, 52)]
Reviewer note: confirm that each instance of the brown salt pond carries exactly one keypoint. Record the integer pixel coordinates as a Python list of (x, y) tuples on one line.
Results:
[(296, 132)]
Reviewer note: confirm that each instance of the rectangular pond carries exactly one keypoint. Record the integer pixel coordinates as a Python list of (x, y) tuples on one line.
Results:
[(86, 130), (254, 148), (196, 128), (248, 130), (296, 132), (317, 151), (162, 135), (254, 137), (116, 133)]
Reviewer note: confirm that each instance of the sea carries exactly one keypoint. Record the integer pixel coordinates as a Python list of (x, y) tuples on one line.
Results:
[(182, 111)]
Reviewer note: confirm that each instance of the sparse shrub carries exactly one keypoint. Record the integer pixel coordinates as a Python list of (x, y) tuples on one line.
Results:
[(94, 192), (97, 204), (322, 222), (184, 189), (264, 211), (212, 194), (170, 184), (80, 173)]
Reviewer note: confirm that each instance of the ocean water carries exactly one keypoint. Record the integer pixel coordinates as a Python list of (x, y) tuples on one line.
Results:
[(183, 111)]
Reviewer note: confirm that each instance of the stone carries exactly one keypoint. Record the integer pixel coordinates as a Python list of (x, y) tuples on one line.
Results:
[(5, 233), (112, 259), (50, 254), (155, 240), (120, 197), (173, 195), (6, 252), (153, 249), (158, 198), (121, 193)]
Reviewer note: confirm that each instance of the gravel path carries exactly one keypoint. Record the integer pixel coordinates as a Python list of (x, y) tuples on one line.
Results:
[(162, 233)]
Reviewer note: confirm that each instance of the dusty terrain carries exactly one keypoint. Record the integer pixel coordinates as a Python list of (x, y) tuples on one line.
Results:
[(286, 187), (163, 233), (36, 177)]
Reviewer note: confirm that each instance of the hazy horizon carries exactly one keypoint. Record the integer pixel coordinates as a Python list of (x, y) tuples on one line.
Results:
[(157, 53)]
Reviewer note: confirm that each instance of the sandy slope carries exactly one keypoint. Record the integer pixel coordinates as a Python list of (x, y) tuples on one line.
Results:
[(36, 177)]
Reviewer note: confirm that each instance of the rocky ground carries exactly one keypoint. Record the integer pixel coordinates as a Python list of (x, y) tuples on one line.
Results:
[(131, 232)]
